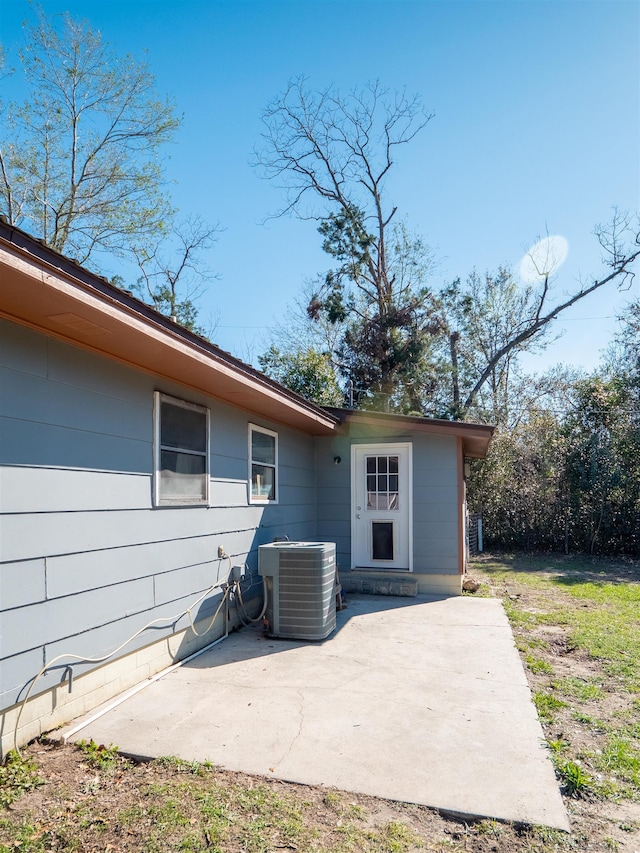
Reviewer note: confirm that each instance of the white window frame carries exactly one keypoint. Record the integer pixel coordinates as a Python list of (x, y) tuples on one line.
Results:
[(158, 398), (257, 499)]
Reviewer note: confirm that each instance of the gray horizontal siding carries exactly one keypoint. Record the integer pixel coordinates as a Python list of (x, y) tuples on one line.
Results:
[(330, 528), (23, 349), (29, 443), (227, 492), (29, 536), (435, 518), (435, 505), (74, 573), (90, 372), (22, 583), (27, 489), (170, 586), (57, 533), (16, 673), (39, 399), (334, 495), (102, 639), (65, 617), (85, 558), (337, 508), (435, 452)]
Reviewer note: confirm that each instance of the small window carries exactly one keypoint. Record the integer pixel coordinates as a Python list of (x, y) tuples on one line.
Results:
[(263, 465), (181, 452), (382, 483)]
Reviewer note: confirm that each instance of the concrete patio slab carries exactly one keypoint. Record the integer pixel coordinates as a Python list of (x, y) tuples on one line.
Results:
[(416, 700)]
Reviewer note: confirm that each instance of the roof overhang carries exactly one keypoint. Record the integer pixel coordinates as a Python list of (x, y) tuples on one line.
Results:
[(475, 437), (43, 290)]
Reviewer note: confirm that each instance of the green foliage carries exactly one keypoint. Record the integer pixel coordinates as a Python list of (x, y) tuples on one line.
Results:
[(595, 603), (568, 477), (396, 837), (17, 775), (391, 318), (80, 158), (307, 372), (576, 781), (488, 827), (607, 627), (402, 346), (577, 688), (602, 466), (197, 768), (518, 617), (520, 486), (538, 666), (546, 705), (101, 756), (483, 314), (621, 756)]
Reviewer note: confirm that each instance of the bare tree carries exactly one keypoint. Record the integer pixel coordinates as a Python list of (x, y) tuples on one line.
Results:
[(332, 156), (296, 330), (172, 273), (533, 310), (336, 151), (79, 162)]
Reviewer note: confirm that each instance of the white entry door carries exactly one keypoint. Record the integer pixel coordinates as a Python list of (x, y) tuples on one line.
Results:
[(381, 495)]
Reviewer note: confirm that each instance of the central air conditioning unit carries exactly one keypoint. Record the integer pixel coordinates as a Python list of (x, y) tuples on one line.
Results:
[(300, 585)]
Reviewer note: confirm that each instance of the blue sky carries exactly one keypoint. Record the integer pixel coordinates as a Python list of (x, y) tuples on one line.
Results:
[(536, 129)]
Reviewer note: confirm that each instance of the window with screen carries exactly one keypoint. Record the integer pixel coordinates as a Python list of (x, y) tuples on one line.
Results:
[(263, 465), (181, 452)]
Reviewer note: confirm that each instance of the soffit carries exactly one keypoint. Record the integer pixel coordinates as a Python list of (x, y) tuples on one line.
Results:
[(475, 437), (94, 315)]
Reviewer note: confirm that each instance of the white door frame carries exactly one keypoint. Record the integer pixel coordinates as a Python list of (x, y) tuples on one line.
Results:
[(381, 448)]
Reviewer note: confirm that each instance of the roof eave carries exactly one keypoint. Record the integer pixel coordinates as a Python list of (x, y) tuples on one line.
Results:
[(46, 291), (475, 437)]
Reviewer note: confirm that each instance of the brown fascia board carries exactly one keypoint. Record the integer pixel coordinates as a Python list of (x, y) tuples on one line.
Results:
[(47, 291), (475, 437)]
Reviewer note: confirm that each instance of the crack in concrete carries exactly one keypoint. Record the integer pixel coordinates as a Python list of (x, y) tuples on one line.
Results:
[(287, 751)]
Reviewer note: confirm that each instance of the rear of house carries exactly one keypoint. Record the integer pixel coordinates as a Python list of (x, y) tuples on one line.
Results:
[(391, 494), (140, 469)]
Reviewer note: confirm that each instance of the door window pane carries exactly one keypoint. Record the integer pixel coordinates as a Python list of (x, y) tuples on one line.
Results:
[(383, 489)]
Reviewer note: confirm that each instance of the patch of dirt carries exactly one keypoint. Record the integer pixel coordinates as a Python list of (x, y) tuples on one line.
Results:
[(81, 808), (84, 808), (583, 725), (90, 805)]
